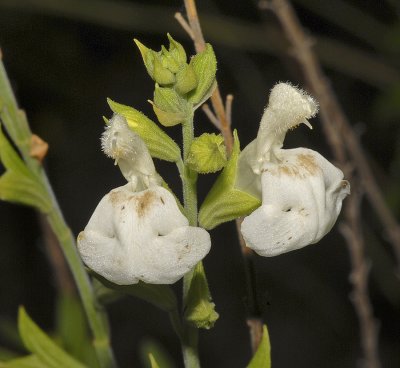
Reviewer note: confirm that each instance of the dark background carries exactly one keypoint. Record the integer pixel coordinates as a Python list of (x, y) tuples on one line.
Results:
[(65, 57)]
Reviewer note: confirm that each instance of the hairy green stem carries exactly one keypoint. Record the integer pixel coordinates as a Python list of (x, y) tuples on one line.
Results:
[(19, 131), (190, 333)]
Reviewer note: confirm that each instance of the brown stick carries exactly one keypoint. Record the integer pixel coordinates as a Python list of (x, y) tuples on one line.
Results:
[(224, 116), (352, 232), (338, 131)]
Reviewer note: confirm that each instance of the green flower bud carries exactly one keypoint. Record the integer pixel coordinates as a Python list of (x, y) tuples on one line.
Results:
[(224, 202), (162, 75), (176, 51), (200, 310), (186, 80), (207, 154), (205, 66), (170, 108)]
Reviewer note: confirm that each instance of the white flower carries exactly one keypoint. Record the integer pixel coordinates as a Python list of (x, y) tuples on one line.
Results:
[(137, 231), (134, 236), (301, 191)]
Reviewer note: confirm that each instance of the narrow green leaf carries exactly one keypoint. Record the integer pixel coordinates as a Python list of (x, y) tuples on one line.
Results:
[(37, 342), (153, 354), (205, 67), (207, 154), (158, 142), (9, 157), (30, 361), (73, 331), (224, 202), (262, 357), (24, 190), (15, 121), (200, 310)]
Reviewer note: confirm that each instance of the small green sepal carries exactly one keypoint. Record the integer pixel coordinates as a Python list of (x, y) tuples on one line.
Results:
[(176, 51), (207, 154), (158, 142), (262, 357), (186, 80), (224, 202), (148, 56), (170, 108), (199, 309), (204, 65)]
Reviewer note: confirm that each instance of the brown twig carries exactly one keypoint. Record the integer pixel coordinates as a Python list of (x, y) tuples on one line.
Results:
[(343, 140), (352, 232), (223, 115), (206, 109)]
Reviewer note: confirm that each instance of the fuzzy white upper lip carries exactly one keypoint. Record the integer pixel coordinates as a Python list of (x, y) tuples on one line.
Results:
[(301, 191)]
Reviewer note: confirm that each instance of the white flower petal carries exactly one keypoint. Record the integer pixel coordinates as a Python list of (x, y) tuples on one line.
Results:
[(142, 235), (302, 198)]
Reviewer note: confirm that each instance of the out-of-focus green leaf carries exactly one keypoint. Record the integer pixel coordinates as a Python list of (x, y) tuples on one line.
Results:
[(30, 361), (19, 184), (153, 355), (37, 342), (157, 141), (199, 309), (72, 329), (262, 357)]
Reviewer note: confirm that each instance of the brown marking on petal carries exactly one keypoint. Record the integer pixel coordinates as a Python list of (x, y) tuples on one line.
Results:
[(144, 202), (117, 197), (162, 200), (307, 161)]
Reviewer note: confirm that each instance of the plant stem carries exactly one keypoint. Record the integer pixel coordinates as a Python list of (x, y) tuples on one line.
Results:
[(20, 133), (190, 333)]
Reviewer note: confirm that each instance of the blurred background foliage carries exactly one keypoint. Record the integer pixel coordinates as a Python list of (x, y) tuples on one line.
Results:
[(65, 57)]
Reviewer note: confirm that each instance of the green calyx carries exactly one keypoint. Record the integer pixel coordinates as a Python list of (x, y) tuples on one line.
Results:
[(224, 202), (170, 108), (160, 145), (200, 310), (207, 154)]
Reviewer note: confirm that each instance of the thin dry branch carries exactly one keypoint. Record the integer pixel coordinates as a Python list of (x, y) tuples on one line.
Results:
[(223, 115), (339, 133), (352, 232), (337, 128)]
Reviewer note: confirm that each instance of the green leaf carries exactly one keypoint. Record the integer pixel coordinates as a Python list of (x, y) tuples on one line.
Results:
[(205, 67), (160, 296), (170, 108), (262, 357), (19, 184), (157, 141), (30, 361), (224, 202), (73, 331), (25, 190), (186, 80), (153, 354), (199, 309), (37, 342), (207, 154)]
